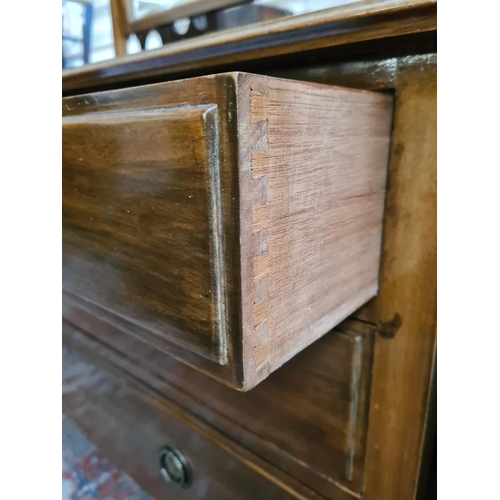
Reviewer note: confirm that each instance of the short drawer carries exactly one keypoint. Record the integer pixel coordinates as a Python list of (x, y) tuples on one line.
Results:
[(168, 459), (229, 220)]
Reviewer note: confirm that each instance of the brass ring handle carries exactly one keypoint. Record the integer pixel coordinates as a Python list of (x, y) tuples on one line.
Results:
[(173, 467)]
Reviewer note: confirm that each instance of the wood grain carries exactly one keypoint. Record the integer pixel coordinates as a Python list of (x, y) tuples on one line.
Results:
[(188, 155), (366, 45), (296, 39), (308, 418), (120, 26), (151, 240), (141, 218), (311, 241), (407, 301), (402, 365), (405, 309)]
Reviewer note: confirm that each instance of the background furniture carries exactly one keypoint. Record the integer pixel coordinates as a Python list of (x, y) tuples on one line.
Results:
[(202, 17)]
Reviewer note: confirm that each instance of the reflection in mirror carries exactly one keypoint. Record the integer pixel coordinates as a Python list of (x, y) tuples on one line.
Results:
[(181, 26), (143, 8), (88, 24), (87, 34), (200, 22), (133, 44), (153, 40)]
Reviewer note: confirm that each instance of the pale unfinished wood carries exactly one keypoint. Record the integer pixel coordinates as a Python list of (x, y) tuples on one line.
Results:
[(405, 307), (313, 162), (295, 175)]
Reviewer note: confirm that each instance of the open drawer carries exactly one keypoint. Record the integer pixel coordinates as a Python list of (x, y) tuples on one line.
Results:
[(228, 220)]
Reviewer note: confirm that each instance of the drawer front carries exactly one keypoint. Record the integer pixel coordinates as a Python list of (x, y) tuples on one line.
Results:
[(309, 418), (133, 430), (140, 217), (229, 221), (142, 226)]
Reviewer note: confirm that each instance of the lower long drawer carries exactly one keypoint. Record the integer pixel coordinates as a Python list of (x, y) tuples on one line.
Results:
[(308, 419), (131, 427)]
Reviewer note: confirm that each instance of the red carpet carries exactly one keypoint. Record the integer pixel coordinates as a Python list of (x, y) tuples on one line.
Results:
[(89, 475)]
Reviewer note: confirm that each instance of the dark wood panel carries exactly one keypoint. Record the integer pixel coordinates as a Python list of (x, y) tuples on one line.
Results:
[(152, 158), (308, 418), (141, 216), (131, 427)]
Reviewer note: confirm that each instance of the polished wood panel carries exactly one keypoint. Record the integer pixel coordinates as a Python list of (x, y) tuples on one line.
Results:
[(133, 426), (198, 150), (231, 216), (141, 216), (359, 27), (308, 418)]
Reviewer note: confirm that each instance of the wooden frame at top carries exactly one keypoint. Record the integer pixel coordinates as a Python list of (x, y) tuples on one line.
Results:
[(124, 22)]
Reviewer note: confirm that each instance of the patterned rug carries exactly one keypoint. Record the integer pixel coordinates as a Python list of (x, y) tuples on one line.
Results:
[(89, 475)]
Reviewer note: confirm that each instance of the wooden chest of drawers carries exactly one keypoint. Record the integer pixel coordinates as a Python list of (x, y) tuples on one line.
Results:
[(229, 220), (187, 209)]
